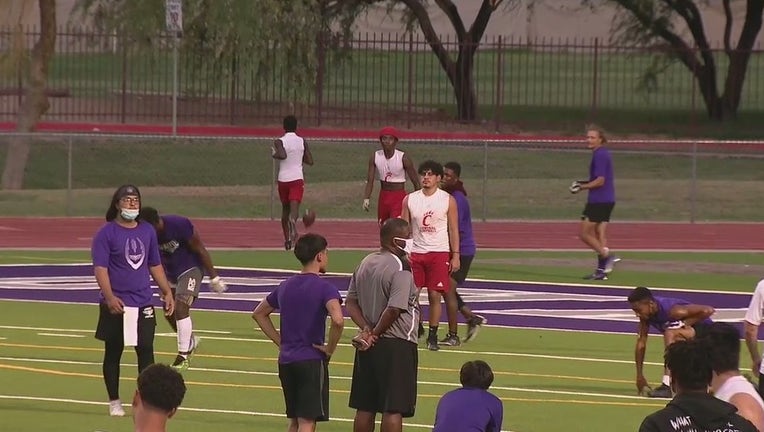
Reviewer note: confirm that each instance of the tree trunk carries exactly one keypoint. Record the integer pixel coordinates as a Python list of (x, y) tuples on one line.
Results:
[(35, 102), (739, 57), (464, 84), (466, 101)]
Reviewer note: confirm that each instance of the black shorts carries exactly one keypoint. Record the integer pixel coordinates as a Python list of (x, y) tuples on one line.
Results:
[(110, 326), (597, 212), (306, 389), (461, 275), (385, 378)]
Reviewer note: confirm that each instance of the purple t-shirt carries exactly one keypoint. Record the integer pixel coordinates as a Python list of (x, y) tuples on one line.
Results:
[(177, 257), (468, 410), (301, 301), (661, 320), (127, 253), (602, 166), (466, 240)]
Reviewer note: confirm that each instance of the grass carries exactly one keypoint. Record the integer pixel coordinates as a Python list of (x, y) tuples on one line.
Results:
[(232, 178), (544, 377)]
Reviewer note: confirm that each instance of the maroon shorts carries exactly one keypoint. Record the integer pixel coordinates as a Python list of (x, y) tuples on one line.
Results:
[(291, 191), (390, 204), (431, 270)]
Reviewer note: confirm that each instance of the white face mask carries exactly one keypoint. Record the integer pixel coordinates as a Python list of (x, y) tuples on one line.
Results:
[(408, 244), (129, 214)]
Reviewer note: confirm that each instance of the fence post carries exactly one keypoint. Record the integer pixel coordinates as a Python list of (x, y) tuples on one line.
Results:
[(595, 78), (123, 107), (273, 187), (175, 41), (694, 182), (69, 154), (694, 162), (410, 80), (234, 88), (485, 180), (499, 82), (320, 78)]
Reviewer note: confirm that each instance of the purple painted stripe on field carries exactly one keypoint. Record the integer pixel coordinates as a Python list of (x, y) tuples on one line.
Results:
[(90, 296)]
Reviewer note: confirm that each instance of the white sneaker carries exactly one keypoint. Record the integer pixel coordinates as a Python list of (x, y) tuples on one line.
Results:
[(115, 408)]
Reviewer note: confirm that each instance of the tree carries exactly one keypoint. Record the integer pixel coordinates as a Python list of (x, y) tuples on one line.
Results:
[(459, 70), (35, 102), (651, 22)]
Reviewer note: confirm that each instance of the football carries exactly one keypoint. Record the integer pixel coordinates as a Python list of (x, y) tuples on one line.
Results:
[(308, 218)]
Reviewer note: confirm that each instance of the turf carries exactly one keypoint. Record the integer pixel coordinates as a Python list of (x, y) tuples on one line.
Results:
[(545, 377)]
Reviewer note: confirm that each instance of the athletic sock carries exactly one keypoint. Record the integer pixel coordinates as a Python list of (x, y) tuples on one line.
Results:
[(666, 380), (433, 335), (185, 330)]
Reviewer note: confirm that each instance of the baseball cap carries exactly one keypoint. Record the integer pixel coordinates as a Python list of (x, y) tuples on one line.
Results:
[(388, 130)]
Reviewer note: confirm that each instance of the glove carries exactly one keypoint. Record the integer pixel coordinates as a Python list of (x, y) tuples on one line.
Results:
[(366, 204), (217, 285), (575, 187), (674, 325)]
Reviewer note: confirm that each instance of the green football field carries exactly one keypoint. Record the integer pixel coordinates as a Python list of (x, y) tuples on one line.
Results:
[(549, 380)]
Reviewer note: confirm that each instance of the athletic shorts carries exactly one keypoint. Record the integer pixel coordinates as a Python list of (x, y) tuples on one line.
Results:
[(385, 378), (597, 212), (291, 191), (431, 270), (306, 389), (464, 267), (186, 289), (110, 326), (390, 204)]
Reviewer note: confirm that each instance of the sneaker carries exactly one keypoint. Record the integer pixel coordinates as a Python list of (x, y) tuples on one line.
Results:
[(432, 345), (288, 245), (597, 275), (610, 263), (473, 325), (115, 408), (663, 391), (451, 340), (181, 363)]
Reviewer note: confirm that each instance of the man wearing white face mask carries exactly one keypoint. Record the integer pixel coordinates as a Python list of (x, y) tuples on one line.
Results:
[(382, 301), (125, 252)]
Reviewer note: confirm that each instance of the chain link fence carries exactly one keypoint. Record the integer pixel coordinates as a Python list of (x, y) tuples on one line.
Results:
[(230, 177)]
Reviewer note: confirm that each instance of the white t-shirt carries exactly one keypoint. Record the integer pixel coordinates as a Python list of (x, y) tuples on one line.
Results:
[(290, 169), (756, 308), (429, 221), (390, 170), (735, 385)]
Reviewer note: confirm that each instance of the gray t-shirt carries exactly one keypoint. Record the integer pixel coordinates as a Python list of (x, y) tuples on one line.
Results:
[(383, 280)]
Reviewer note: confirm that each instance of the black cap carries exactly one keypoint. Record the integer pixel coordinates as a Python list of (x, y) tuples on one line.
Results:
[(126, 190)]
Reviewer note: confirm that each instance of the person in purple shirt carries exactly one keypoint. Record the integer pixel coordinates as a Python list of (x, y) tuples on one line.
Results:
[(304, 301), (467, 248), (471, 408), (185, 261), (600, 203), (125, 252), (676, 319)]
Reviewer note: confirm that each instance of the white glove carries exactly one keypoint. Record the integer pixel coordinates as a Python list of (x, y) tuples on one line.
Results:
[(575, 187), (366, 204), (217, 285)]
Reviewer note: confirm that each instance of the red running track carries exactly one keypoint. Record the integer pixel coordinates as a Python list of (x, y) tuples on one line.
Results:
[(239, 233)]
